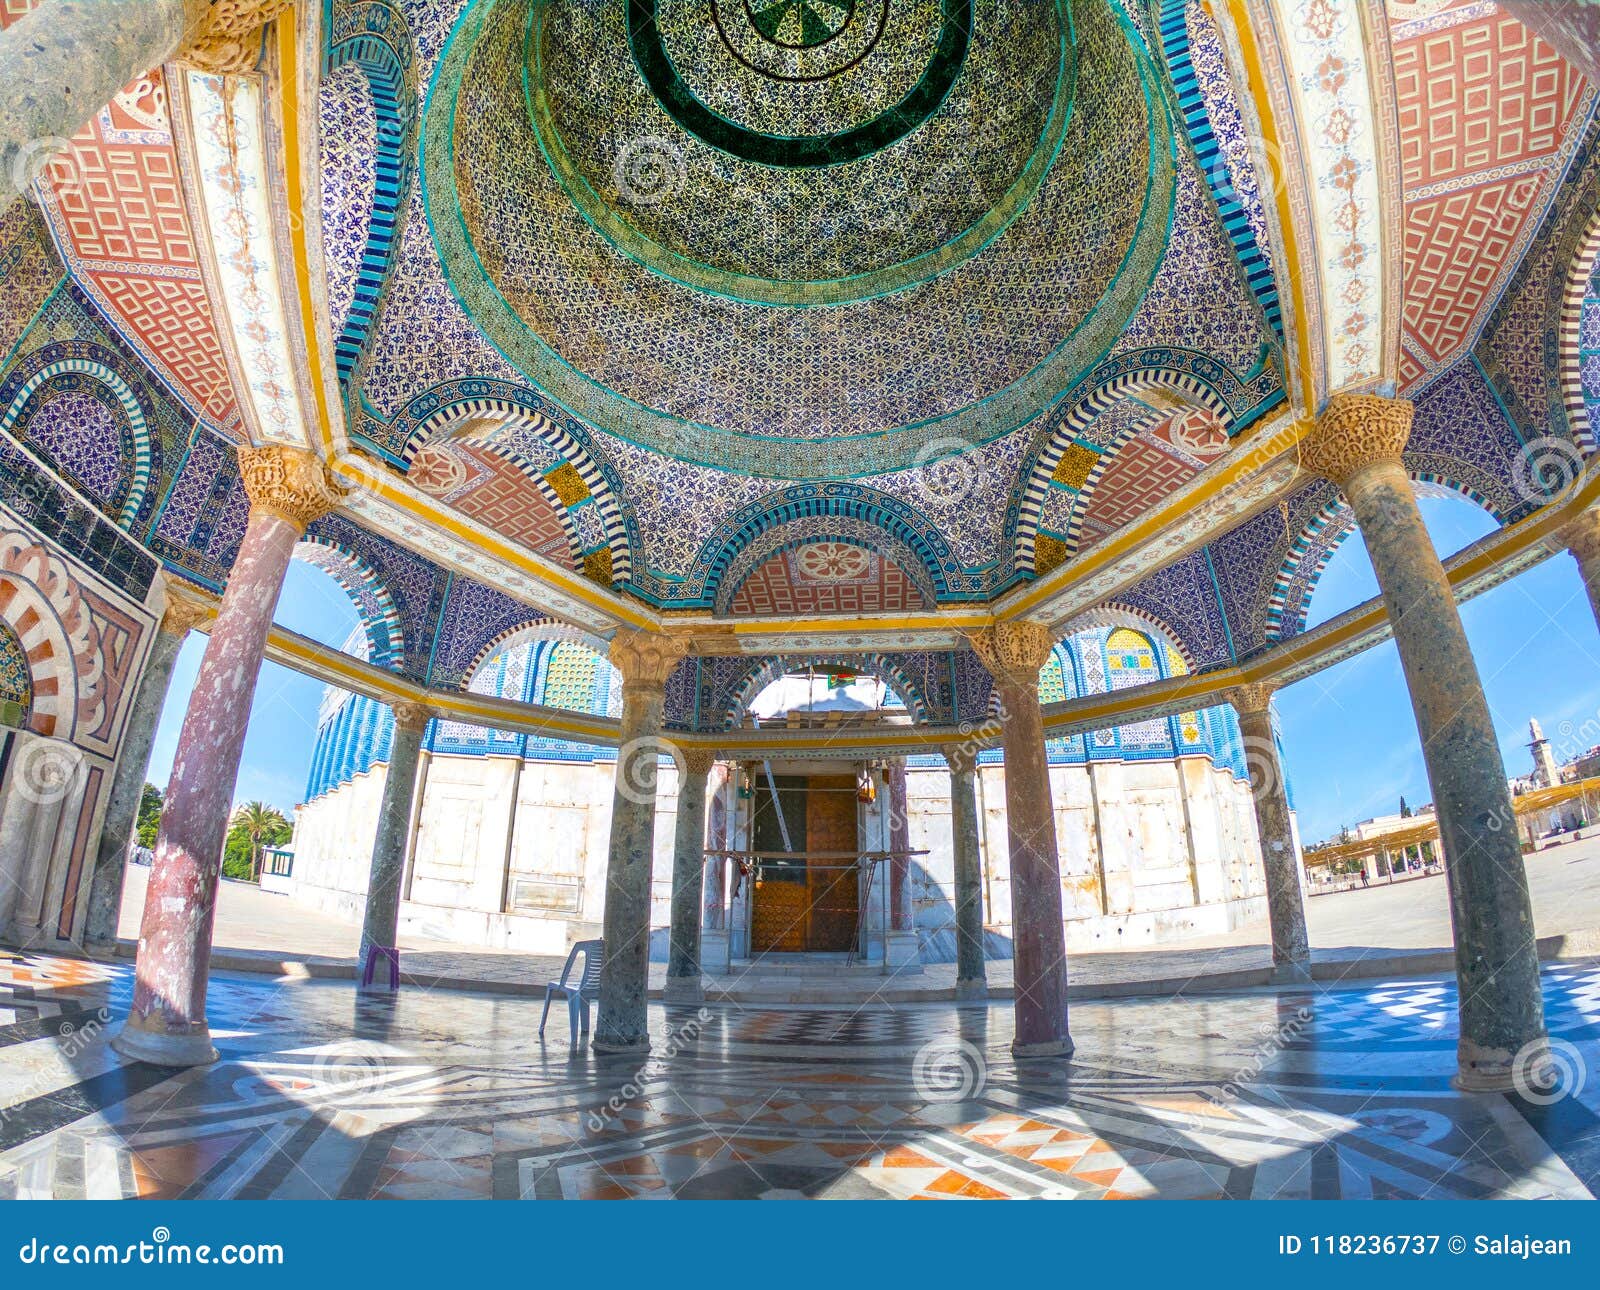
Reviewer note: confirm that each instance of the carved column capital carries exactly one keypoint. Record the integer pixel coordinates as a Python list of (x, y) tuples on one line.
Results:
[(646, 659), (225, 37), (186, 609), (410, 715), (1582, 536), (697, 759), (291, 483), (1354, 431), (1252, 697), (962, 758), (1013, 652)]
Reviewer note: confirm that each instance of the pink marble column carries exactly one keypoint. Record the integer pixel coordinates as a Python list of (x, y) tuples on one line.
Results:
[(1013, 653), (713, 909), (288, 488), (689, 867)]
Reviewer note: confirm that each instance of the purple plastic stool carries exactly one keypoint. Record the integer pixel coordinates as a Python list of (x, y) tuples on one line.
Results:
[(376, 952)]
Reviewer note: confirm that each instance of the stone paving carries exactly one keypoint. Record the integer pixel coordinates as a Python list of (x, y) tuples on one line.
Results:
[(1365, 931), (1329, 1092)]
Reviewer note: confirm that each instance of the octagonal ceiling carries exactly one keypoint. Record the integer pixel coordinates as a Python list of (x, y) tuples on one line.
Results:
[(802, 239)]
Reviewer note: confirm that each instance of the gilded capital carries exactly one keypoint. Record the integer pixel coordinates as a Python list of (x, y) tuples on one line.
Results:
[(411, 716), (185, 610), (1013, 652), (962, 758), (646, 659), (1582, 536), (1354, 431), (291, 483), (225, 38), (697, 759), (1252, 697)]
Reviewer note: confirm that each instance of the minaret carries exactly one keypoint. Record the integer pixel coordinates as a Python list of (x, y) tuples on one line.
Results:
[(1544, 762)]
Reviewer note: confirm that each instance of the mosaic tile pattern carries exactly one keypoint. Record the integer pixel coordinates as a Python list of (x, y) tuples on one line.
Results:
[(781, 388), (79, 429), (349, 138), (16, 679), (1340, 1092), (1522, 335), (1489, 118)]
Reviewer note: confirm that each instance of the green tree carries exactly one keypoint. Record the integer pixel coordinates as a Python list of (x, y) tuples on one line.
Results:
[(148, 823), (255, 826)]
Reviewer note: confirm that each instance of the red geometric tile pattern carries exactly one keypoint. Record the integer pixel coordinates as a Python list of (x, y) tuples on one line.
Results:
[(1148, 469), (1486, 111), (779, 587), (507, 501), (11, 10), (116, 203)]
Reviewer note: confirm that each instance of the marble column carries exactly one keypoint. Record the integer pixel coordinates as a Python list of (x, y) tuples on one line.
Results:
[(287, 488), (63, 62), (380, 925), (184, 611), (645, 660), (1582, 538), (894, 778), (1286, 897), (971, 982), (1013, 652), (1357, 443), (688, 877), (715, 950), (1570, 27)]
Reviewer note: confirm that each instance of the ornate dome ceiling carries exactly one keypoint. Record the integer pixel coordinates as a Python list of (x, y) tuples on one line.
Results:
[(802, 239)]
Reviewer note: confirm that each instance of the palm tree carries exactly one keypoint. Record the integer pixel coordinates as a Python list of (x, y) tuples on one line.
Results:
[(264, 825)]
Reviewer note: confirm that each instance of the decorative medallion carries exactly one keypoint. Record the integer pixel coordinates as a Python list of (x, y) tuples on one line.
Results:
[(798, 239), (802, 42), (832, 562)]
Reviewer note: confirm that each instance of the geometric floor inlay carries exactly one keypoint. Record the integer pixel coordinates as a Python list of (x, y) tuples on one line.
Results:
[(320, 1093)]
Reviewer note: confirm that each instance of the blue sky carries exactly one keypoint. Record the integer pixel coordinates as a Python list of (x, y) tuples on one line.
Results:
[(1350, 741), (1349, 738), (283, 718)]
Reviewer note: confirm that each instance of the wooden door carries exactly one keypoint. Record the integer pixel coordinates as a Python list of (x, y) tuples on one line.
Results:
[(832, 884), (780, 899)]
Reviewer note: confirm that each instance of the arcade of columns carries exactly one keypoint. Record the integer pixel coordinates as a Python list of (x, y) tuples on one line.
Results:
[(59, 65), (1357, 444)]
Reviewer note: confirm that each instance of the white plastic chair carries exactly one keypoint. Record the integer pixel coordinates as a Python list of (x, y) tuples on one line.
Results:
[(577, 996)]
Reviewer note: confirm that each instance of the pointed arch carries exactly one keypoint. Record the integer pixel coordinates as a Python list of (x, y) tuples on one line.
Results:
[(539, 630), (764, 672), (133, 415), (835, 509), (1582, 292), (1307, 558), (375, 604), (374, 38), (857, 533), (1068, 457), (440, 411)]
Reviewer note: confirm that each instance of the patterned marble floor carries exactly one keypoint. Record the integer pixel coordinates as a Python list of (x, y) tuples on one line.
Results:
[(1338, 1092)]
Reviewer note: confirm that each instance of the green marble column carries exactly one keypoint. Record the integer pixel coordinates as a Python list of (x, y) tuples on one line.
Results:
[(1286, 899), (380, 924), (1357, 444), (971, 979), (645, 661)]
